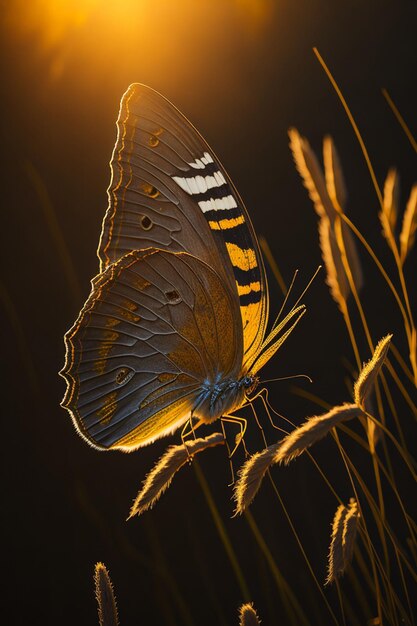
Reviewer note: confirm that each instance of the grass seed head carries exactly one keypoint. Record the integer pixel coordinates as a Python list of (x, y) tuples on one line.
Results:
[(251, 476), (370, 371), (333, 172), (311, 173), (313, 429), (335, 564), (160, 477), (344, 529), (107, 608), (350, 528), (409, 226), (248, 616), (391, 199)]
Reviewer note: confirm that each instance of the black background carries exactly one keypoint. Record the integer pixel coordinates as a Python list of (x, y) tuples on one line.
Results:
[(243, 72)]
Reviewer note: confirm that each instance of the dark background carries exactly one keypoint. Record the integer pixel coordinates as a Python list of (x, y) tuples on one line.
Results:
[(243, 72)]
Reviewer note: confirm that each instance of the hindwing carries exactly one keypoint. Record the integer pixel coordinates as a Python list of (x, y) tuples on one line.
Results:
[(156, 327)]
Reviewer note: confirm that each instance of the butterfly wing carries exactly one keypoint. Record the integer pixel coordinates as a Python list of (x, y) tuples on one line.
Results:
[(168, 190), (155, 327)]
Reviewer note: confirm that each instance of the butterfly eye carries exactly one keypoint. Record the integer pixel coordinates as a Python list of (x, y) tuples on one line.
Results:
[(146, 222), (124, 374), (173, 297), (153, 141)]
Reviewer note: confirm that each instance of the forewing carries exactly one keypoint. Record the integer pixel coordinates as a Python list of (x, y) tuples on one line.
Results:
[(155, 327), (168, 190)]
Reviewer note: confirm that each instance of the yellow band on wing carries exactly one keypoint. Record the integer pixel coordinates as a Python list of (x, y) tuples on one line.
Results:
[(227, 223), (245, 289), (244, 259)]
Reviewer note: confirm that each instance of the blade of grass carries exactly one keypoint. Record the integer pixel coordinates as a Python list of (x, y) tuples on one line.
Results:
[(409, 320), (54, 229), (246, 596), (273, 264), (400, 119), (288, 598), (303, 552)]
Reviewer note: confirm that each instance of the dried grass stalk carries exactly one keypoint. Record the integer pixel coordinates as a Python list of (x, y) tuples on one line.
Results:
[(344, 529), (248, 616), (391, 200), (374, 433), (251, 476), (335, 564), (350, 528), (352, 256), (335, 274), (160, 477), (366, 380), (329, 197), (311, 173), (107, 608), (409, 227), (313, 429), (333, 172), (294, 444)]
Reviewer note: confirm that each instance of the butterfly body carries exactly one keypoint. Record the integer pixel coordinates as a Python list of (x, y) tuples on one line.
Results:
[(174, 328), (222, 396)]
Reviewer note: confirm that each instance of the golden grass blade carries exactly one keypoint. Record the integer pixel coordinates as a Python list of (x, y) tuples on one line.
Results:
[(248, 616), (313, 429), (251, 476), (61, 250), (267, 253), (353, 123), (160, 477), (107, 608), (222, 531), (311, 173), (400, 119), (335, 565), (333, 172), (391, 198), (344, 529), (367, 377), (408, 230), (352, 256)]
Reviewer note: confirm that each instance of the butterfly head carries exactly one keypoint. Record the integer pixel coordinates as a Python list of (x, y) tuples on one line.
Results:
[(249, 383)]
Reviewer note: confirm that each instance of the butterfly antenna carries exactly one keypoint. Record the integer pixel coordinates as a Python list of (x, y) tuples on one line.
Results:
[(285, 299), (300, 297), (273, 380), (308, 285)]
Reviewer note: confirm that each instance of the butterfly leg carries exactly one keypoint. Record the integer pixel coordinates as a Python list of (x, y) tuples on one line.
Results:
[(263, 395), (242, 422), (189, 429), (251, 403), (232, 472)]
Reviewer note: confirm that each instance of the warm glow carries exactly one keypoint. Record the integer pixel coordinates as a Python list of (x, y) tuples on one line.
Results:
[(128, 30)]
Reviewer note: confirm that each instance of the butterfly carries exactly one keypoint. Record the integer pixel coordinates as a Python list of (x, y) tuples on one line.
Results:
[(175, 326)]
